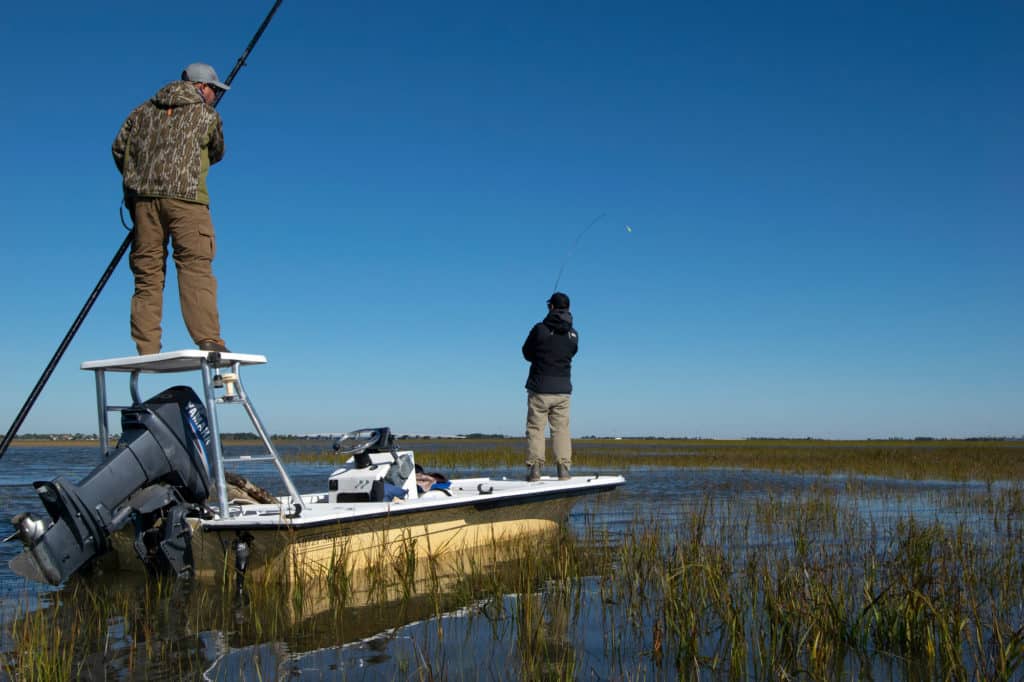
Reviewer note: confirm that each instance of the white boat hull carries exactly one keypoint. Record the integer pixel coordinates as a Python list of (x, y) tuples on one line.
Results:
[(329, 537)]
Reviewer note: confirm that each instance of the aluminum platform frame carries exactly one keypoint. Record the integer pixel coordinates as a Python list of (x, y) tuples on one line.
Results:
[(209, 365)]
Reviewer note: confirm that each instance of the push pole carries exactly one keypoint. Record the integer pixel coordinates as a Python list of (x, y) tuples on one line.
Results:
[(66, 341), (248, 48)]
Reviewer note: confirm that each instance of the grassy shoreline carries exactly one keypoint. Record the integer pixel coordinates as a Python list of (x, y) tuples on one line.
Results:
[(958, 460)]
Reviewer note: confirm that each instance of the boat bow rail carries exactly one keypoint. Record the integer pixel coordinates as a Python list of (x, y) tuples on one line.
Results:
[(222, 385)]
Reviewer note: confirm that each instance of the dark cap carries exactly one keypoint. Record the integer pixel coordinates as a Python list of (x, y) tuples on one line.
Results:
[(558, 300)]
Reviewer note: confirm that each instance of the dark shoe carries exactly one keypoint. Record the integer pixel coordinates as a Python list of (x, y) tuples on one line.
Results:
[(534, 473), (213, 346), (563, 472)]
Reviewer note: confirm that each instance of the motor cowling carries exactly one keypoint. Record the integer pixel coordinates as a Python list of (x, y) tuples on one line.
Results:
[(153, 477)]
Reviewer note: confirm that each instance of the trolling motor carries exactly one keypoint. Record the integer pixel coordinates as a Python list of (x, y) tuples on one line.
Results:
[(155, 477)]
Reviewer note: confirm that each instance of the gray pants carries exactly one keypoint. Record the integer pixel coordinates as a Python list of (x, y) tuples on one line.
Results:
[(543, 409)]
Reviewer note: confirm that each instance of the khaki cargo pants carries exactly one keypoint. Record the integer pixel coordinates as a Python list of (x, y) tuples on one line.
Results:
[(543, 409), (189, 229)]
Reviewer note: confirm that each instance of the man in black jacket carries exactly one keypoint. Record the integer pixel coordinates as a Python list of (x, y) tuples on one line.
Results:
[(549, 348)]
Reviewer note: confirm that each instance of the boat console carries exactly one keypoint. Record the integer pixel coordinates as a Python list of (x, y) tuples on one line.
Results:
[(376, 471)]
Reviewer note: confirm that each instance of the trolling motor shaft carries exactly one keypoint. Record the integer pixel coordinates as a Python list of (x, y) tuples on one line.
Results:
[(154, 478)]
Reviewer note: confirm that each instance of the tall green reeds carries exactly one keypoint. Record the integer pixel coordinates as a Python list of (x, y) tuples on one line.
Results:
[(821, 594)]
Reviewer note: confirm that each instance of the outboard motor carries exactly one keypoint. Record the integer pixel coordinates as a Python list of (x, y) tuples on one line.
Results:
[(155, 475)]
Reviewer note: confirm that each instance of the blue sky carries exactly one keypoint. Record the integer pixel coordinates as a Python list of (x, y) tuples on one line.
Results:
[(826, 203)]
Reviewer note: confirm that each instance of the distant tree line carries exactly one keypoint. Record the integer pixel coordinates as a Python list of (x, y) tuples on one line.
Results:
[(56, 436)]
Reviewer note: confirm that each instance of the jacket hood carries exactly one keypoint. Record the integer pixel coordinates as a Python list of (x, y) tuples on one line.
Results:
[(559, 320), (177, 94)]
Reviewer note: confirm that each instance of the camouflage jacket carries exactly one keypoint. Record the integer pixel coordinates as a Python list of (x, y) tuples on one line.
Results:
[(167, 144)]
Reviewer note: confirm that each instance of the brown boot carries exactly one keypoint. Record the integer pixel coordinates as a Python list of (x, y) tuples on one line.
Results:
[(563, 472), (534, 473), (212, 345)]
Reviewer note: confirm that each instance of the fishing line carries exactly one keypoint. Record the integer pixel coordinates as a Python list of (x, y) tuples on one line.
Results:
[(573, 248)]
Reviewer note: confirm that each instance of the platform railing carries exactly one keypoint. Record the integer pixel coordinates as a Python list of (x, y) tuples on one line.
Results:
[(233, 393)]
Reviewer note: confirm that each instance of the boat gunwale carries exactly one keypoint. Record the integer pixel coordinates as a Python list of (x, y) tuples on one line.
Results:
[(481, 502)]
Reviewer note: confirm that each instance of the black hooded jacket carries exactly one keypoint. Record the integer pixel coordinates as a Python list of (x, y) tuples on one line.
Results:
[(549, 348)]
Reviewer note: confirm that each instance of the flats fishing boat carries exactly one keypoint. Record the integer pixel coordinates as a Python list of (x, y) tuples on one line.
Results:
[(162, 500)]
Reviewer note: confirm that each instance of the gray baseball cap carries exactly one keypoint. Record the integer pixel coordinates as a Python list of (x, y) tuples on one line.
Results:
[(202, 73)]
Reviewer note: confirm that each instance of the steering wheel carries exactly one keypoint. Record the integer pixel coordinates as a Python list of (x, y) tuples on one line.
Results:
[(357, 442)]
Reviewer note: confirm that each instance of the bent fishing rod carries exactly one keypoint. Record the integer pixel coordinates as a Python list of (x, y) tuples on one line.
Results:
[(66, 341), (572, 248)]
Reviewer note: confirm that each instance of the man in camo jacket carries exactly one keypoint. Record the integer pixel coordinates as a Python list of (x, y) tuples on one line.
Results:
[(164, 150)]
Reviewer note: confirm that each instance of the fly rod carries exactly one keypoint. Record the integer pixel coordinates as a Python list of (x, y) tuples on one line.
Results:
[(9, 436), (572, 248)]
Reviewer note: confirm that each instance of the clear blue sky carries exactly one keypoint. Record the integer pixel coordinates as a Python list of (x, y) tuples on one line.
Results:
[(826, 203)]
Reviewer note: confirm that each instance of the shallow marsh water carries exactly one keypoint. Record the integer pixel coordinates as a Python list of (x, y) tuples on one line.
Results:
[(595, 627)]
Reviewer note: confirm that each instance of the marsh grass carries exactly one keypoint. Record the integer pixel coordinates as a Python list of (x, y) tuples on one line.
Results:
[(791, 586), (822, 596), (955, 460)]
